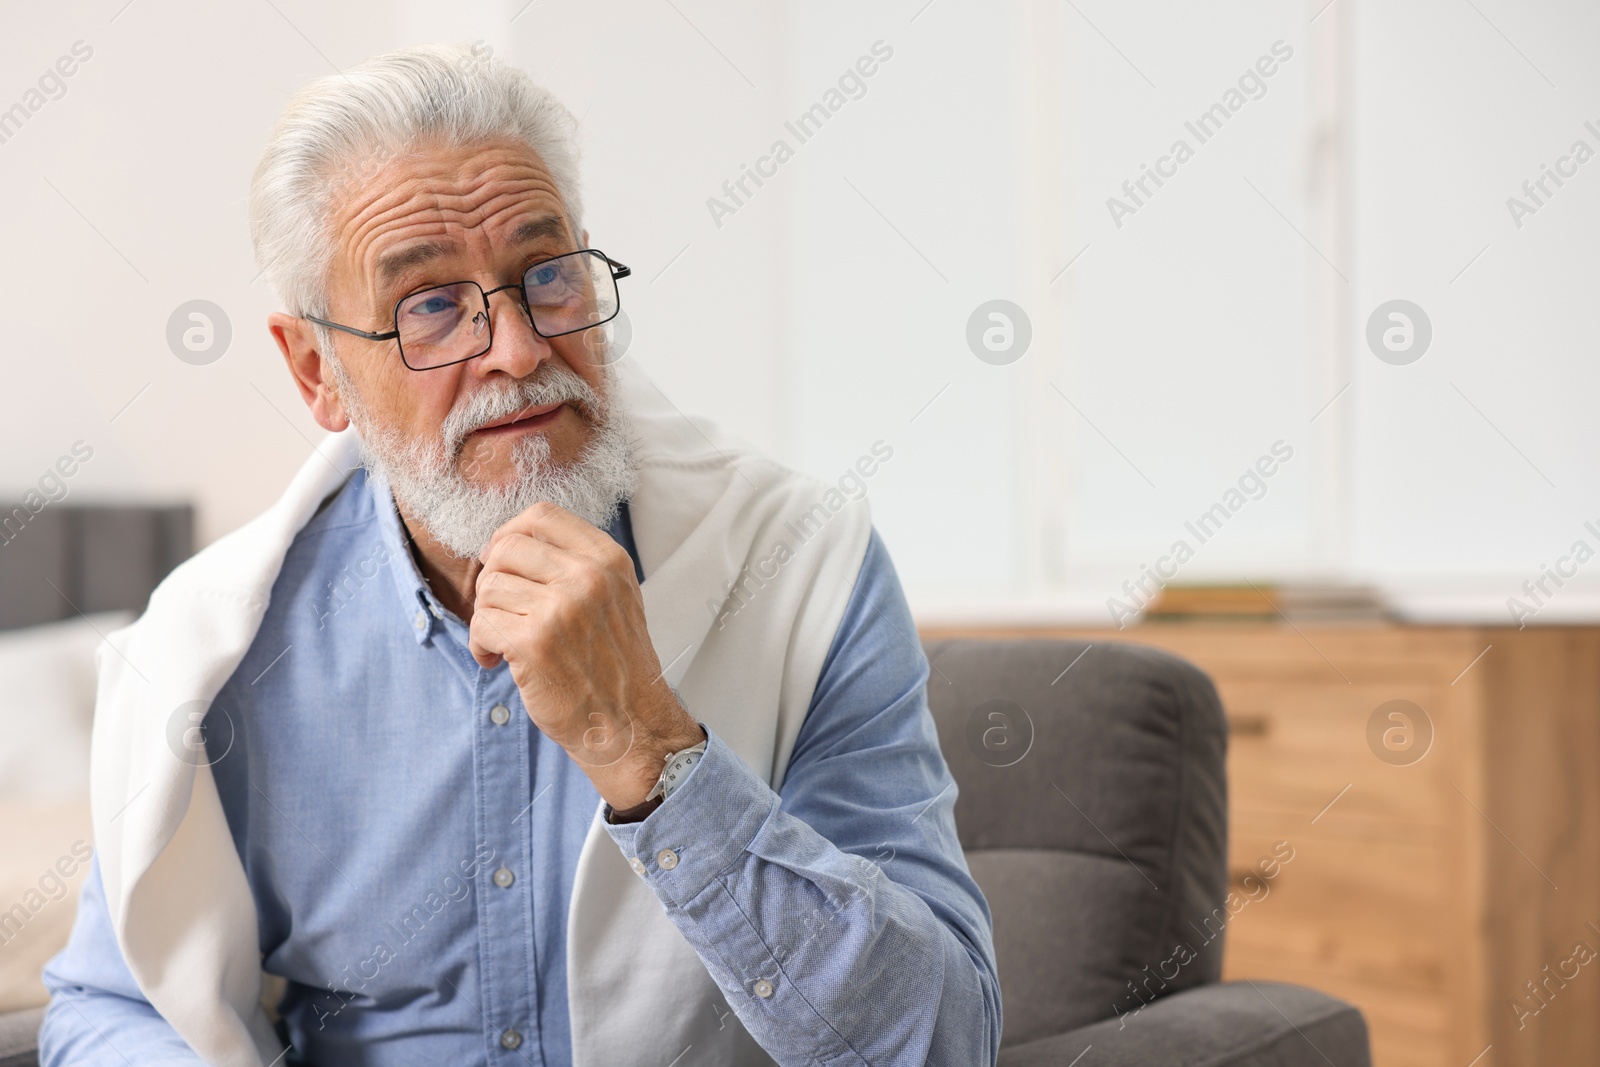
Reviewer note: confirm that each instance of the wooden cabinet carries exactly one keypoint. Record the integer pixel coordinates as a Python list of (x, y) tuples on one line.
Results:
[(1446, 847)]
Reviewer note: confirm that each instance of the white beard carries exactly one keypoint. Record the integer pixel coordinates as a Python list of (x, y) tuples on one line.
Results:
[(462, 515)]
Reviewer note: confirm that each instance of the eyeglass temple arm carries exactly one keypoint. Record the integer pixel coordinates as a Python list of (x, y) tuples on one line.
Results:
[(385, 335), (618, 270)]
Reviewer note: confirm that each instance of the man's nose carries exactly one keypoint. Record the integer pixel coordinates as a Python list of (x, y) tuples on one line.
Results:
[(516, 348)]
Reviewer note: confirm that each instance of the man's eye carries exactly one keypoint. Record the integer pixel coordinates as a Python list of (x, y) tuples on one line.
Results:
[(544, 275), (433, 305)]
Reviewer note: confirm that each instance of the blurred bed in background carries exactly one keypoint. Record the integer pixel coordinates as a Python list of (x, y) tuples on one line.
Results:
[(69, 575)]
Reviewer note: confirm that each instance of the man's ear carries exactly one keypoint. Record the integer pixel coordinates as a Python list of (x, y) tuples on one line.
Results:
[(298, 343)]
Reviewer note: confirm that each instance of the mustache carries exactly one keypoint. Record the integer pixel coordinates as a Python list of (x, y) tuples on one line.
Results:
[(551, 384)]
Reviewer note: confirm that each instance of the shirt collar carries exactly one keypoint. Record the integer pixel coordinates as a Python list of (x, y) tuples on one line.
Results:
[(425, 613)]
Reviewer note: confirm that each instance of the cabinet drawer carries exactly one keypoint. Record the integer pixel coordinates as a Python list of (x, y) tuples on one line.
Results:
[(1367, 909), (1294, 746), (1360, 919)]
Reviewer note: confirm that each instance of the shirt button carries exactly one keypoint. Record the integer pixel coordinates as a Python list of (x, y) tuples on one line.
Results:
[(420, 621), (667, 858), (637, 864), (499, 715), (510, 1039), (763, 988), (503, 878)]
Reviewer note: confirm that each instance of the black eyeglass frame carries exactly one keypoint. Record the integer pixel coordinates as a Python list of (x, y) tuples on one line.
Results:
[(618, 270)]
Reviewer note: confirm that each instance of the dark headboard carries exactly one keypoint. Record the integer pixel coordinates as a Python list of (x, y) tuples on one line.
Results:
[(68, 558)]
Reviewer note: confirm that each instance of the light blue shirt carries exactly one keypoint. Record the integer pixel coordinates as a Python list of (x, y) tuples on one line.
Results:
[(410, 839)]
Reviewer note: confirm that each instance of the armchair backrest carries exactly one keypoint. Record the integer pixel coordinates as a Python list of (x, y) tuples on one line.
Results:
[(1092, 807)]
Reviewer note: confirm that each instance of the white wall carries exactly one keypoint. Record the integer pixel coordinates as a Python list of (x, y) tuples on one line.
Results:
[(129, 198), (1456, 112), (827, 312)]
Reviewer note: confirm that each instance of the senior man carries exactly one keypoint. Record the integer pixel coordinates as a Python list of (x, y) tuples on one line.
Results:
[(487, 743)]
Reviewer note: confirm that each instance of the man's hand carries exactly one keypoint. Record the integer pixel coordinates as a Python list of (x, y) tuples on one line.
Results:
[(557, 599)]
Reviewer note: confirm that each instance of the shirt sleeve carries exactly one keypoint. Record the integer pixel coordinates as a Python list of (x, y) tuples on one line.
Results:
[(838, 917), (97, 1016)]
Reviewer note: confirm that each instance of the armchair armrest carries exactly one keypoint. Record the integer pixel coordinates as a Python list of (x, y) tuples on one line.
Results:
[(19, 1037), (1235, 1024)]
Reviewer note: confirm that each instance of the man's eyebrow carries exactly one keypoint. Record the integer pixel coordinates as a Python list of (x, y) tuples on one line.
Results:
[(538, 229), (392, 265)]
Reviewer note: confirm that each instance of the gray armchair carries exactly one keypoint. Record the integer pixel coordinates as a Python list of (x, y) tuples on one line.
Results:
[(19, 1037), (1093, 812)]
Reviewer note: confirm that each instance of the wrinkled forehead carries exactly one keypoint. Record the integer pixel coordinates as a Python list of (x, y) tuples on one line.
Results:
[(458, 209)]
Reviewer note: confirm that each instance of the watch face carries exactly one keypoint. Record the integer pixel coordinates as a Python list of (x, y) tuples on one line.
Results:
[(677, 769)]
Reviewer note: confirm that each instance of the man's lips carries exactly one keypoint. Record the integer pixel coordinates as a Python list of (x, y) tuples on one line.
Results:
[(532, 418)]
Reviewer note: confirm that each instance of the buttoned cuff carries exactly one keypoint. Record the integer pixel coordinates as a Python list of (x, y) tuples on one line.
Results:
[(702, 828)]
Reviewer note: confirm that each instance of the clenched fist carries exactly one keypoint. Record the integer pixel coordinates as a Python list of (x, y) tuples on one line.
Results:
[(557, 599)]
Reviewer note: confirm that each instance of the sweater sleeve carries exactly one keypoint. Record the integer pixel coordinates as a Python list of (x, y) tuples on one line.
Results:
[(838, 918)]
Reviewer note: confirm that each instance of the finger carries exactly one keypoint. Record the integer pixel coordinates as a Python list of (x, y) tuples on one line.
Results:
[(557, 569), (510, 592), (493, 634), (484, 641), (502, 635), (530, 557), (560, 527)]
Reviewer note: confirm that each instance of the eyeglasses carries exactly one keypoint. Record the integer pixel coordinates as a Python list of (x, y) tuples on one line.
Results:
[(450, 323)]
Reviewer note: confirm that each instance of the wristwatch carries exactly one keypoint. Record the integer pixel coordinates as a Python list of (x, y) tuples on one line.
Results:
[(677, 766)]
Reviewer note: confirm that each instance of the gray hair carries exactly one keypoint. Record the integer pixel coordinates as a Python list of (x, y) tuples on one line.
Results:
[(340, 130)]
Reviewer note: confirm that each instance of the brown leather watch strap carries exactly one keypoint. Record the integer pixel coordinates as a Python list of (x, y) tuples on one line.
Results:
[(636, 813)]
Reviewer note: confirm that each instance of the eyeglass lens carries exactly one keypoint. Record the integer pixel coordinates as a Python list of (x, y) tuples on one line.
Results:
[(449, 323)]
